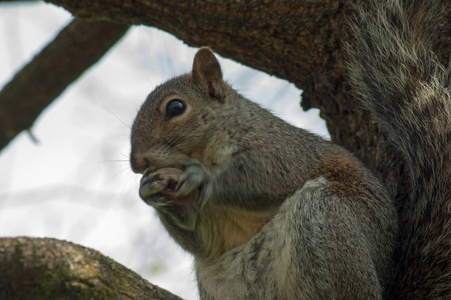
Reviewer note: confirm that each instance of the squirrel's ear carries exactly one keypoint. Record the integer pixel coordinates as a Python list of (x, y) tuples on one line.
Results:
[(207, 72)]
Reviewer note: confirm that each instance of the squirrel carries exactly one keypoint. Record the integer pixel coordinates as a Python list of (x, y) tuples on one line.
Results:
[(398, 78), (271, 211), (268, 210)]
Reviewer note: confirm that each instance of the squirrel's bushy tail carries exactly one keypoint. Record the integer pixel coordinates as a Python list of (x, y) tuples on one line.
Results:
[(400, 80)]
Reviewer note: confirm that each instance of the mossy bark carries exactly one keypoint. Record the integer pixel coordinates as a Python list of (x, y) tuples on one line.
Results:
[(35, 268)]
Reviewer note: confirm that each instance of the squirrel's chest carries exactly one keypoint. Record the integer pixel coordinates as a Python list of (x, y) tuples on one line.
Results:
[(229, 279), (247, 271)]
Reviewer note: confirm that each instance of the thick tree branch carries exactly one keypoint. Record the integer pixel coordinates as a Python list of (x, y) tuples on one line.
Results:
[(298, 41), (34, 268), (76, 48)]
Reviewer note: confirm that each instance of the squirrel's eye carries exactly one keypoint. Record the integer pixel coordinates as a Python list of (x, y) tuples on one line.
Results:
[(175, 107)]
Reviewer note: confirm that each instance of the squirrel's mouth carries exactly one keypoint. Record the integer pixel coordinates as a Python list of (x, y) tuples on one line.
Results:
[(153, 169), (147, 162)]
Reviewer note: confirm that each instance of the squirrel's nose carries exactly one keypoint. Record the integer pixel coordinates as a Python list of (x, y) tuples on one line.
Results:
[(139, 163)]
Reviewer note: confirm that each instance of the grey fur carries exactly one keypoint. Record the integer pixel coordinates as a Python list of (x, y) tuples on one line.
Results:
[(314, 248), (399, 79), (278, 213)]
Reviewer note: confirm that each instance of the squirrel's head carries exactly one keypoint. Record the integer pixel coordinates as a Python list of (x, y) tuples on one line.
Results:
[(180, 118)]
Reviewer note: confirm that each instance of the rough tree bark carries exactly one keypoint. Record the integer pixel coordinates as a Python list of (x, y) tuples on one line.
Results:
[(300, 41), (32, 268)]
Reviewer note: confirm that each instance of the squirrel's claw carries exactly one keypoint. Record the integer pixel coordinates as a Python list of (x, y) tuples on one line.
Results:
[(150, 187), (195, 176), (206, 194)]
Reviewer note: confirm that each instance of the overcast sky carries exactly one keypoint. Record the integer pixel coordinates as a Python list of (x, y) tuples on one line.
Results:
[(76, 183)]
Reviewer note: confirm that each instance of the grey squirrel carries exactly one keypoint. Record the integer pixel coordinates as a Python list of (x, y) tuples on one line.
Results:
[(270, 211)]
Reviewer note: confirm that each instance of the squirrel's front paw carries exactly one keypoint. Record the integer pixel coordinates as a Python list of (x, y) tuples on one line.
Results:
[(159, 188), (195, 178)]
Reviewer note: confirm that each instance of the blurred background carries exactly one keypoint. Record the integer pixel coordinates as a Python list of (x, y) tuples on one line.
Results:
[(76, 184)]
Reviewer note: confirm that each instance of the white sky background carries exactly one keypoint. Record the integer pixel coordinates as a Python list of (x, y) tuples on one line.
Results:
[(76, 184)]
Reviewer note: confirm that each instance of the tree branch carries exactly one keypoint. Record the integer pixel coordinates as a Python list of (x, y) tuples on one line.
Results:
[(294, 41), (35, 268), (76, 48)]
